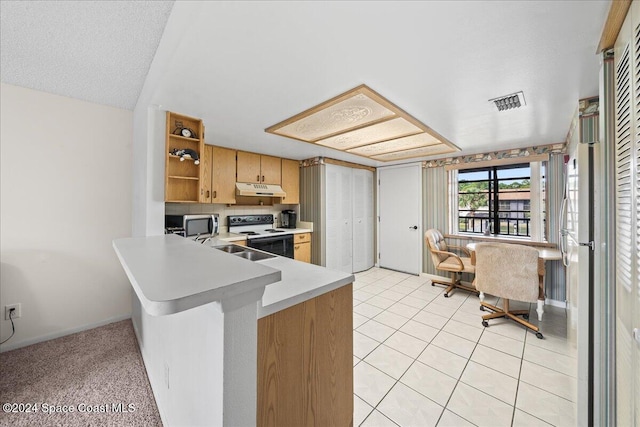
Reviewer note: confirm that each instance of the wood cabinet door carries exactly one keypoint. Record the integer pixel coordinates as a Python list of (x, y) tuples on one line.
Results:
[(206, 165), (291, 181), (305, 363), (271, 170), (302, 252), (249, 167), (223, 176)]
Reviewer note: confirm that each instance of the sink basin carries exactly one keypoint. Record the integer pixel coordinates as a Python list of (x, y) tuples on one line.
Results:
[(231, 248), (243, 252), (253, 256)]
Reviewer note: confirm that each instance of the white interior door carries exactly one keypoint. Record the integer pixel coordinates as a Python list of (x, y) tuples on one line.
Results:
[(400, 210)]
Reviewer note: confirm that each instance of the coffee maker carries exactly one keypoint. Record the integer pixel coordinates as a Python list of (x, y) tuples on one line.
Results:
[(288, 219)]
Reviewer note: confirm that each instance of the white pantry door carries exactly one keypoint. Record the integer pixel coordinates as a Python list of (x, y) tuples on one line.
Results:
[(400, 227)]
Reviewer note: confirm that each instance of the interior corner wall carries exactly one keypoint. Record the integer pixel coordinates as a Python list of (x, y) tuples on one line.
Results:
[(434, 208), (148, 172), (312, 208), (65, 194)]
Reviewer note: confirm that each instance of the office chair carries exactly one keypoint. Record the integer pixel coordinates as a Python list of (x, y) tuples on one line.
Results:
[(509, 272), (445, 260)]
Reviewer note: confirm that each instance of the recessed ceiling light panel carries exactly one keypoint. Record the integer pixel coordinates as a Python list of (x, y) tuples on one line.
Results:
[(351, 113), (431, 150), (371, 134), (362, 122), (400, 144)]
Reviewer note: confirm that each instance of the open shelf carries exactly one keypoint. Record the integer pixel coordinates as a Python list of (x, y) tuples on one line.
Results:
[(195, 178), (173, 156), (182, 179), (183, 138)]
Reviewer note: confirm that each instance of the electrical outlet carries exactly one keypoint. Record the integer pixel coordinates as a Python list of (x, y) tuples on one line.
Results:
[(17, 312)]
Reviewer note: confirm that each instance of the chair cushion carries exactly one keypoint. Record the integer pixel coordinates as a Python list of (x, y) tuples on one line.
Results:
[(452, 264), (435, 240), (507, 270)]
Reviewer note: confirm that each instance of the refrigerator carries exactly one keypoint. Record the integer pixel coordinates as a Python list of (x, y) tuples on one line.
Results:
[(577, 246)]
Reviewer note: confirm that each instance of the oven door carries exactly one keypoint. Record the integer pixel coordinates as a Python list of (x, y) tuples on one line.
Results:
[(278, 245)]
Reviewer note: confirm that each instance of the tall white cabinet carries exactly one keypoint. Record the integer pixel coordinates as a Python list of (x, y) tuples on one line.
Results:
[(349, 217)]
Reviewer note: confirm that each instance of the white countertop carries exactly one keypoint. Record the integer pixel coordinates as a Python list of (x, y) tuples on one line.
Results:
[(171, 274), (300, 281)]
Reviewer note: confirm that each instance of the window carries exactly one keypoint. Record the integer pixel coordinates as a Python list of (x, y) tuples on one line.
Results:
[(498, 200)]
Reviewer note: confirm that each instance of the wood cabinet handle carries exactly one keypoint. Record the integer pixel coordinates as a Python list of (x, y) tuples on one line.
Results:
[(215, 194), (297, 247), (208, 193), (258, 178), (262, 178)]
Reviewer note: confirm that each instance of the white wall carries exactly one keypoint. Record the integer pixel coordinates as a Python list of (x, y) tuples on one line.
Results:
[(65, 195)]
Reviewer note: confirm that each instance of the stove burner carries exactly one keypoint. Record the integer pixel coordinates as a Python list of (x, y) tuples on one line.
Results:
[(249, 233), (273, 230)]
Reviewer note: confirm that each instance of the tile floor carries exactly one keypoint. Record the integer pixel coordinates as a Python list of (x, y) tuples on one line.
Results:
[(424, 360)]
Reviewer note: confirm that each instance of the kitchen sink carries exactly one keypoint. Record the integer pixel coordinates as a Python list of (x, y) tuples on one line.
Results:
[(254, 255), (243, 252), (231, 248)]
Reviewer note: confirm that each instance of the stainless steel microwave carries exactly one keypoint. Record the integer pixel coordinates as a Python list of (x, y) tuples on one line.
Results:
[(194, 225)]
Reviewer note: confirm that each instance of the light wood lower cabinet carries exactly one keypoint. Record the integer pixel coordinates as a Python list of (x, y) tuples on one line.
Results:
[(305, 363), (302, 247)]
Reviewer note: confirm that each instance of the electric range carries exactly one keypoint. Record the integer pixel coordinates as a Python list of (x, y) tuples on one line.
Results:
[(261, 234)]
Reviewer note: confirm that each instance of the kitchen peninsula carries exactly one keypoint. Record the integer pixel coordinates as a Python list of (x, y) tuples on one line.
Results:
[(229, 341)]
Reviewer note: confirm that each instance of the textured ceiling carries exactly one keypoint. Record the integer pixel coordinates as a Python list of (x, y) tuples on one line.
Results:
[(244, 65), (97, 51)]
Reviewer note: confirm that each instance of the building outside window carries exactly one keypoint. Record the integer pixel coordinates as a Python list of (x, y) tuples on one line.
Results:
[(497, 200)]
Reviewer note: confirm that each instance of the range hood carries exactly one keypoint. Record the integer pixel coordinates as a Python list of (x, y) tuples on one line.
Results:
[(259, 190)]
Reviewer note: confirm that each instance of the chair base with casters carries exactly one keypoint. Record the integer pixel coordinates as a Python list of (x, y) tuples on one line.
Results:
[(454, 283), (445, 260), (511, 314), (510, 272)]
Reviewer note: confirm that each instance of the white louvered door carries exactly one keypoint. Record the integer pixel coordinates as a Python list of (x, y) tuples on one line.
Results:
[(363, 258), (349, 219), (627, 239)]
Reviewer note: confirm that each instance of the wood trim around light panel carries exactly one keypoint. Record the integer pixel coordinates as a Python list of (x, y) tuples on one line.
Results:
[(617, 13), (347, 164), (367, 91)]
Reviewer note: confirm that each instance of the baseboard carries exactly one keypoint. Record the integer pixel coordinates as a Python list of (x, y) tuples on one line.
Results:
[(59, 334), (554, 303)]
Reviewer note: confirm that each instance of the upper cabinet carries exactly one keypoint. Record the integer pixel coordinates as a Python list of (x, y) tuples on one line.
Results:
[(291, 181), (258, 168), (218, 175), (223, 176), (200, 173), (184, 147)]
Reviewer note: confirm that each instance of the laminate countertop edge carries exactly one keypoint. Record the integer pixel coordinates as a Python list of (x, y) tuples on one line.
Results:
[(170, 274)]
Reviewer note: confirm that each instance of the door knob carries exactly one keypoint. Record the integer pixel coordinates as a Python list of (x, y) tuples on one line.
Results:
[(415, 227)]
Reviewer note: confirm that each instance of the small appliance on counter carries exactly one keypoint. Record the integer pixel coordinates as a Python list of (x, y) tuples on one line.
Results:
[(288, 219), (192, 225)]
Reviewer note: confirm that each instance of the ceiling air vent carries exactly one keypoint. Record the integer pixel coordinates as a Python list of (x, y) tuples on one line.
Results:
[(507, 102)]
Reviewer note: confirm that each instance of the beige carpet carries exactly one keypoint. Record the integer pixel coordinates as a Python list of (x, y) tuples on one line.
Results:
[(99, 370)]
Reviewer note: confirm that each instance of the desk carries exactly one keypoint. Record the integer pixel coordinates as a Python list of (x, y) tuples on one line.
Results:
[(544, 254)]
